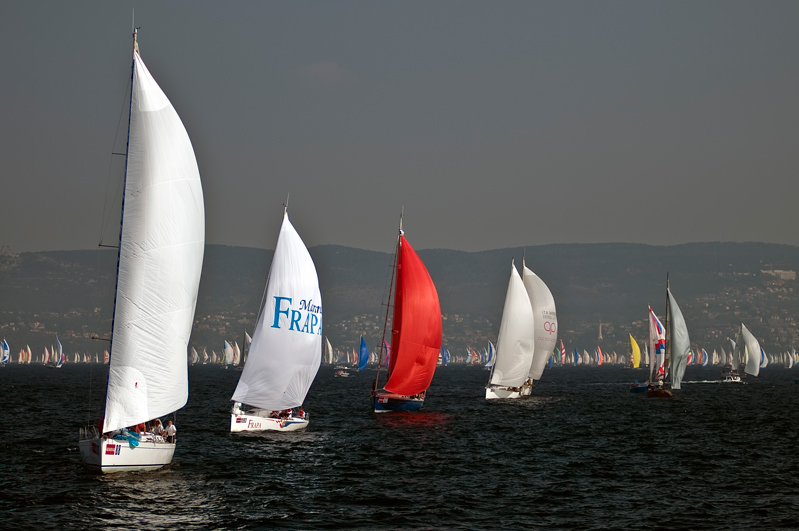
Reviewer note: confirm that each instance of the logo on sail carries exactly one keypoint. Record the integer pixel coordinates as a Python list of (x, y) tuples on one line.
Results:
[(305, 318)]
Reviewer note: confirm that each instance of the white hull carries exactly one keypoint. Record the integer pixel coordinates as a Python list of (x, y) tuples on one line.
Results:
[(493, 393), (254, 422), (110, 455)]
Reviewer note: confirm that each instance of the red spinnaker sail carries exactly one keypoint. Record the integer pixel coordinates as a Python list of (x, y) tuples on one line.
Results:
[(416, 326)]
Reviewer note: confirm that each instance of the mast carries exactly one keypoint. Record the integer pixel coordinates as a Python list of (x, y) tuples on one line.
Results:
[(667, 351), (388, 302), (124, 184)]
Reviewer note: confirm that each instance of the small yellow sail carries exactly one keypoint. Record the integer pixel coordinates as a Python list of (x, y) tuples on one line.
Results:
[(636, 352)]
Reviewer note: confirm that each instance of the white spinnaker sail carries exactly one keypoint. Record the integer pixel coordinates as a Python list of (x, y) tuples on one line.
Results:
[(328, 353), (680, 343), (516, 332), (236, 353), (545, 321), (229, 353), (284, 354), (160, 259), (753, 349)]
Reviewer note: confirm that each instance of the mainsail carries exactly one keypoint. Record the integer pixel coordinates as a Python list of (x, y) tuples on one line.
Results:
[(515, 342), (161, 247), (657, 346)]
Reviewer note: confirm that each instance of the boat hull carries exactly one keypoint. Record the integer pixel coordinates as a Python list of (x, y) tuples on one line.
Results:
[(495, 393), (658, 393), (107, 456), (251, 422), (384, 402)]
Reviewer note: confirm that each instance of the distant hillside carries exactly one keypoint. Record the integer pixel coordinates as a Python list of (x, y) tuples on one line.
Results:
[(718, 285)]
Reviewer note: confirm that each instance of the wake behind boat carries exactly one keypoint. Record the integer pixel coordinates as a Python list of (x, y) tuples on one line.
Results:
[(161, 245), (284, 355)]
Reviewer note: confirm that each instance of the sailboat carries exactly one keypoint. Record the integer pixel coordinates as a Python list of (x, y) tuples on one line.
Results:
[(678, 346), (363, 355), (59, 354), (230, 354), (5, 354), (161, 245), (635, 358), (750, 351), (416, 332), (545, 325), (515, 342), (284, 355), (327, 355)]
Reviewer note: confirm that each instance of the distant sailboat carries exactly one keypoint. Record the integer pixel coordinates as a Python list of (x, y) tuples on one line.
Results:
[(752, 350), (415, 334), (5, 354), (327, 355), (678, 347), (284, 355), (680, 344), (230, 354), (635, 351), (58, 354), (515, 342), (492, 353), (161, 244), (194, 357), (363, 355)]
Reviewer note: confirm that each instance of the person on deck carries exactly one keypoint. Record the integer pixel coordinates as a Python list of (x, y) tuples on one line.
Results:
[(157, 428), (170, 431)]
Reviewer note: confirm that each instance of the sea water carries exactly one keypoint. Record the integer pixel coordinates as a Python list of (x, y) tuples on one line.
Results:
[(581, 453)]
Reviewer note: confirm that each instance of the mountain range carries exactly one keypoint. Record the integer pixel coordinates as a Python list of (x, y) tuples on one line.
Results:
[(718, 285)]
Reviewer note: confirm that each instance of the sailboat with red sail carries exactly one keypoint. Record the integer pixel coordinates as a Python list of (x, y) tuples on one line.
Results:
[(415, 334)]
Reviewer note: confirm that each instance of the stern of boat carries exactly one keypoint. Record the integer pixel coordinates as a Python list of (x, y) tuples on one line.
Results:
[(384, 401), (108, 455), (494, 393)]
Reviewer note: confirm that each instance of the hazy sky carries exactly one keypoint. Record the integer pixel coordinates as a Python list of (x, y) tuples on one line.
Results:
[(494, 124)]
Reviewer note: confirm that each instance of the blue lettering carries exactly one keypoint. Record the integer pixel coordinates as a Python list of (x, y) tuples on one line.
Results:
[(314, 322), (305, 326), (295, 318), (278, 311)]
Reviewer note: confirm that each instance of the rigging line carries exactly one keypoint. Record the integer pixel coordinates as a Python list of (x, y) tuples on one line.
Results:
[(388, 306), (106, 214)]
